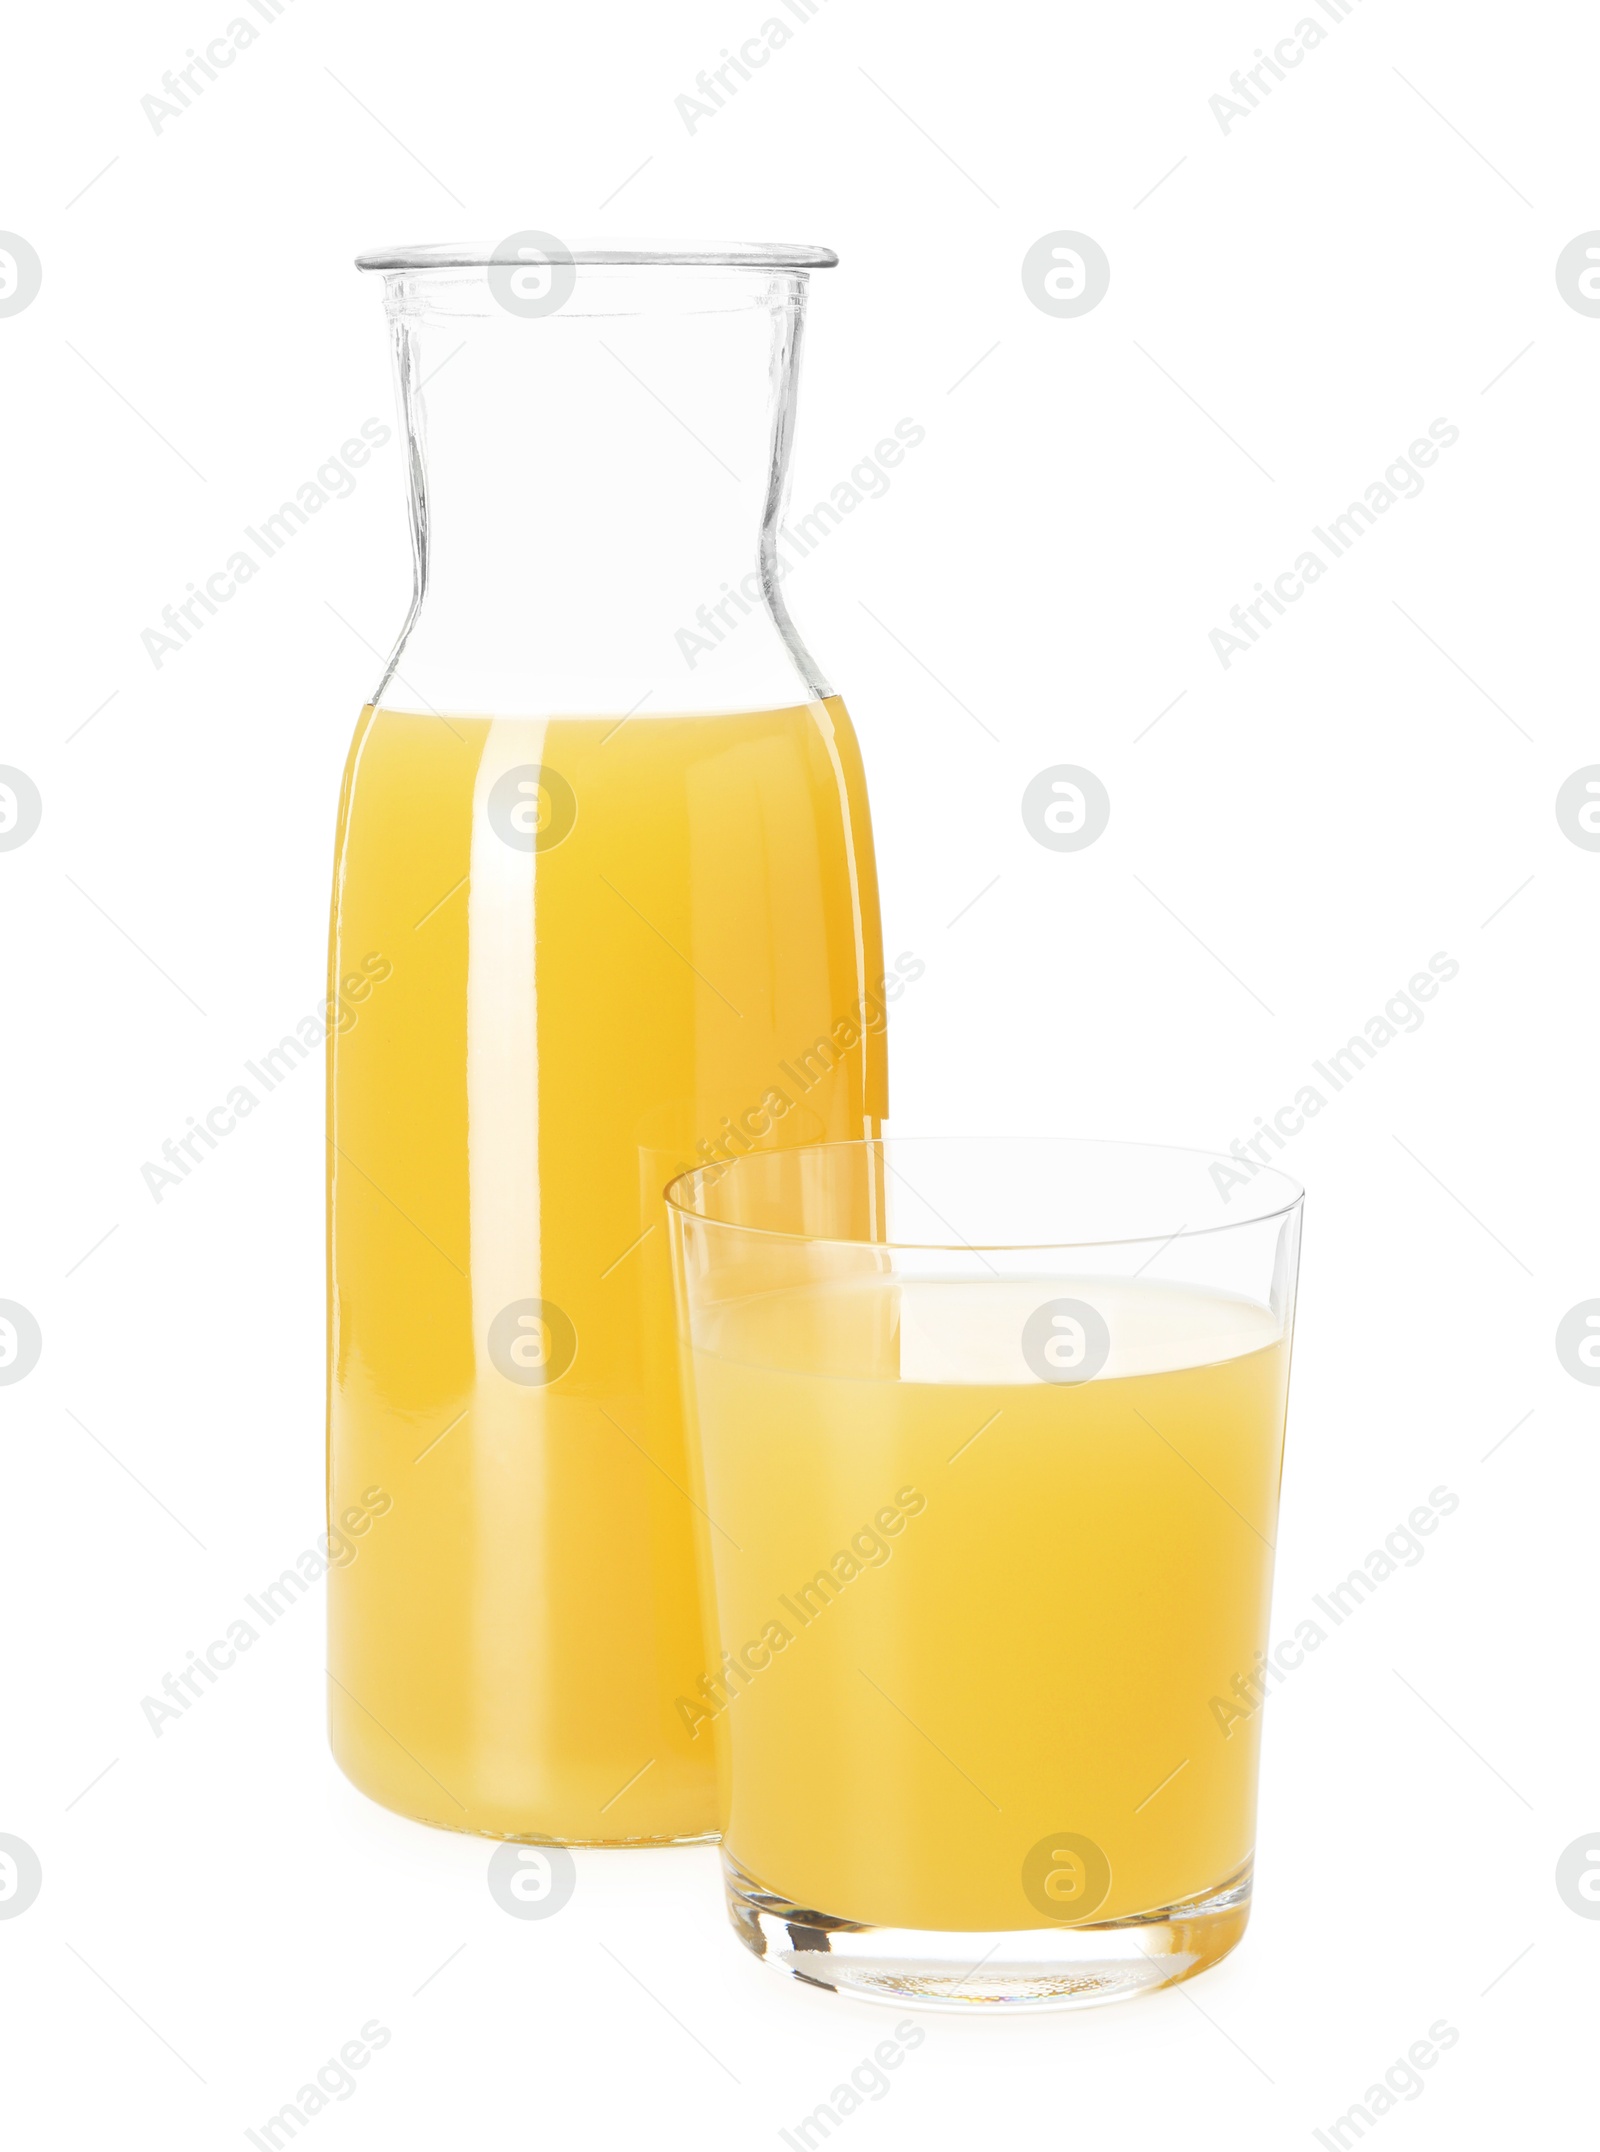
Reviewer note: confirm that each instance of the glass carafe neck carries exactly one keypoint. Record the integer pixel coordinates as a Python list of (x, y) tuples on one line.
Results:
[(596, 487)]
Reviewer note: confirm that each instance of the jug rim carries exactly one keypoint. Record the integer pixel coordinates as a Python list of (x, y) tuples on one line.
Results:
[(613, 253)]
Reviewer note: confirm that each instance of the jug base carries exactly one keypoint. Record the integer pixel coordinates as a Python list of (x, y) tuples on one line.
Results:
[(421, 1798)]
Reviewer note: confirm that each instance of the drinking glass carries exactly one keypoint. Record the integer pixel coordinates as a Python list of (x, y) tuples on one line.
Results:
[(987, 1438)]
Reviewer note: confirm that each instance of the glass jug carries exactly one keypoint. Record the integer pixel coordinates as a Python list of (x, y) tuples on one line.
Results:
[(604, 909)]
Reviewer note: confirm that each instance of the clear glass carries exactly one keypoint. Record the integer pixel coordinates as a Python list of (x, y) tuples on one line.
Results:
[(604, 884), (597, 491), (987, 1437)]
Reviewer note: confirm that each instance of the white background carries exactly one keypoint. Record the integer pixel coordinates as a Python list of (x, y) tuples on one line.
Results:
[(1370, 250)]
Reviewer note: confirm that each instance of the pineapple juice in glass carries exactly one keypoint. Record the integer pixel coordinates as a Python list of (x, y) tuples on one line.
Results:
[(988, 1439)]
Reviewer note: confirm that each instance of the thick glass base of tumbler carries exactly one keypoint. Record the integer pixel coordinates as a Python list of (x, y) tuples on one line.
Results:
[(1015, 1969)]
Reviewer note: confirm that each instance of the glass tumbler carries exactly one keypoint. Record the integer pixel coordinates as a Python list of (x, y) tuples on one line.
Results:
[(987, 1438)]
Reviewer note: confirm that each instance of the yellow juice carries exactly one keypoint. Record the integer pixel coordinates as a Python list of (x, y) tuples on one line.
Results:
[(965, 1616), (574, 957)]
